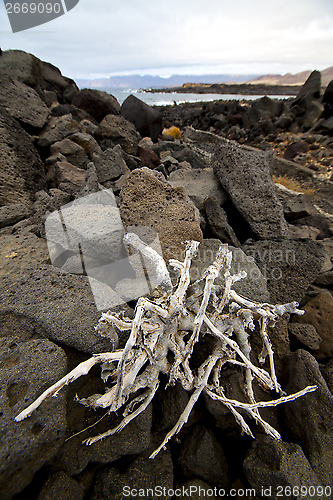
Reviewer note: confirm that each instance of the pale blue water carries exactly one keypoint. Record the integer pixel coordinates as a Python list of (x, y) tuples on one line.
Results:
[(165, 98)]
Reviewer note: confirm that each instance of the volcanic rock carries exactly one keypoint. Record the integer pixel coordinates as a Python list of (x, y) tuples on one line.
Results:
[(97, 103), (146, 120)]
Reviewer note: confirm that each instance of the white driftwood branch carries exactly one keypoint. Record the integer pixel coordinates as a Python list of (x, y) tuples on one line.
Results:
[(175, 322)]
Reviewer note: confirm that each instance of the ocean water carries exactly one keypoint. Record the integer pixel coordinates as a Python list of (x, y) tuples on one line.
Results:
[(166, 98)]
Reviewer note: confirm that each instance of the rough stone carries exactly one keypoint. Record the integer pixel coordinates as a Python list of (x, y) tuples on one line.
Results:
[(142, 474), (305, 334), (311, 88), (74, 153), (146, 120), (245, 174), (327, 371), (268, 108), (57, 129), (312, 114), (276, 465), (295, 149), (148, 158), (110, 164), (22, 172), (23, 103), (254, 286), (22, 66), (197, 488), (68, 109), (290, 266), (148, 200), (319, 313), (91, 184), (10, 214), (218, 223), (115, 130), (328, 100), (309, 418), (60, 486), (55, 303), (97, 103), (26, 369), (55, 81), (202, 456), (74, 456), (69, 177), (198, 185), (87, 142), (183, 152), (169, 405), (295, 206)]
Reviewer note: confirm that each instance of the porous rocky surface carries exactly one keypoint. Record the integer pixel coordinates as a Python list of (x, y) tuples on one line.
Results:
[(256, 175)]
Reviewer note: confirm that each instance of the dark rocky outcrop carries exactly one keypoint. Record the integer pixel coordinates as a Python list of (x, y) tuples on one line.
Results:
[(309, 419), (97, 103), (22, 172), (245, 174), (23, 103), (26, 369), (61, 148), (115, 130), (147, 120), (273, 467), (147, 200)]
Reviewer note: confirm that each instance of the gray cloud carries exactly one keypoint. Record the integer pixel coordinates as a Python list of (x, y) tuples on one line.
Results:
[(102, 36)]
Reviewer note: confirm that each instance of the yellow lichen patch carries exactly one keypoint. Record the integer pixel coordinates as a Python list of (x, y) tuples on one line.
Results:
[(173, 132), (293, 184), (11, 255)]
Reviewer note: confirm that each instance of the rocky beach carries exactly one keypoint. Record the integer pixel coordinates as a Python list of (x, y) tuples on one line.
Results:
[(256, 175)]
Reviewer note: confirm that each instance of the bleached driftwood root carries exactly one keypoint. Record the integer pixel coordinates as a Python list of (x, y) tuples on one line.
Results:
[(174, 323)]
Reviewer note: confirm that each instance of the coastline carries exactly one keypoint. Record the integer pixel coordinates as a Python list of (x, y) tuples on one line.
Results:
[(233, 88)]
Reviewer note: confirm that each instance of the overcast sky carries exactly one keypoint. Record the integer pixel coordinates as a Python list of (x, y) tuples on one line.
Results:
[(104, 37)]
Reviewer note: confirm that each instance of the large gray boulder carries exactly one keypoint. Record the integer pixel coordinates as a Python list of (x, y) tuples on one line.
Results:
[(55, 303), (202, 456), (97, 103), (311, 88), (23, 103), (146, 120), (246, 175), (65, 88), (272, 466), (290, 266), (198, 185), (148, 200), (57, 129), (27, 368), (22, 171), (142, 475), (115, 130), (73, 152), (22, 66)]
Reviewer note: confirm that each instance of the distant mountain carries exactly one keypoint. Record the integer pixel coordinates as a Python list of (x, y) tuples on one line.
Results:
[(148, 81), (151, 82), (290, 79)]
